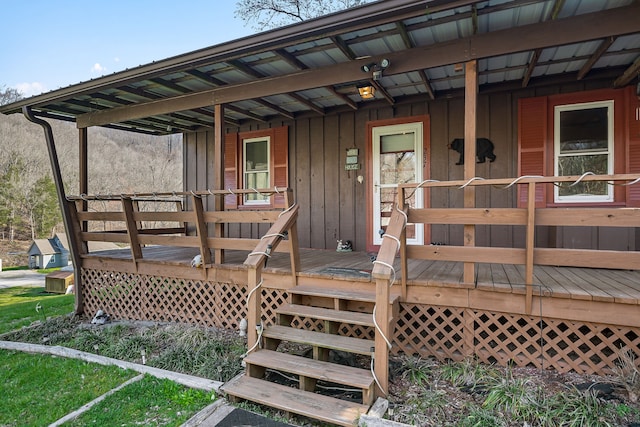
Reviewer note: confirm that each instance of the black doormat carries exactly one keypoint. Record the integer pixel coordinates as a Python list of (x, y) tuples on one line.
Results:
[(241, 418), (344, 271)]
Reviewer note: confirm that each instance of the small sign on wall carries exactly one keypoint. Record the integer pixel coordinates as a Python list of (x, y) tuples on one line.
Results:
[(351, 162)]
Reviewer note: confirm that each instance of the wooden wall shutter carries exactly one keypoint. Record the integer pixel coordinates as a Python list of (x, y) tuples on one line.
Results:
[(231, 169), (532, 136), (280, 162), (633, 155)]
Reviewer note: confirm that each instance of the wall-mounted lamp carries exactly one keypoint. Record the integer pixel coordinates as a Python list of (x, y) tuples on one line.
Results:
[(367, 91), (376, 68)]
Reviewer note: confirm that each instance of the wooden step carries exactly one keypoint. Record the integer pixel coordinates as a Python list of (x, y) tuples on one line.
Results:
[(340, 293), (332, 372), (297, 401), (319, 339), (339, 316)]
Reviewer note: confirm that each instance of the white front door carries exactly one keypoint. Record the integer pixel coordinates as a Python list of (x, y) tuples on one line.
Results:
[(397, 159)]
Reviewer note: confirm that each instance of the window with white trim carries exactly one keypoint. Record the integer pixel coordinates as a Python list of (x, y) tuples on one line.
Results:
[(255, 152), (583, 142)]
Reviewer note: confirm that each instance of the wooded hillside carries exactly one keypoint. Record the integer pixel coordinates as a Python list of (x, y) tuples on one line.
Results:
[(119, 162)]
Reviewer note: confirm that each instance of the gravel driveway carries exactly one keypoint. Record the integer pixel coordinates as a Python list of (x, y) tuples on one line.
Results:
[(21, 278)]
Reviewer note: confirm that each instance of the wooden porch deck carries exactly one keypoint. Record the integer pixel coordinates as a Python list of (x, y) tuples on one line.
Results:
[(585, 284)]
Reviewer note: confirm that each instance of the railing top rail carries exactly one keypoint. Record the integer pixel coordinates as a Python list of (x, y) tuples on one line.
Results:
[(273, 237), (177, 195), (616, 179)]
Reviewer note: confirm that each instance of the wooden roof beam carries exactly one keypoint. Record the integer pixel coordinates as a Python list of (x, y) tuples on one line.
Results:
[(306, 103), (296, 63), (629, 74), (344, 47), (205, 77), (279, 110), (402, 29), (533, 62), (604, 46), (343, 98), (589, 26), (383, 91), (245, 113)]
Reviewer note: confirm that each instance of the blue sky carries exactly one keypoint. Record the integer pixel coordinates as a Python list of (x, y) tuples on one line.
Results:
[(49, 44)]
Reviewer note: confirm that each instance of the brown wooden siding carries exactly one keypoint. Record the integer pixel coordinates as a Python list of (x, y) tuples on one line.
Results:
[(332, 201)]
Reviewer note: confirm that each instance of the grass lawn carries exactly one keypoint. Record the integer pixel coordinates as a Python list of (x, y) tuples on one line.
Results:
[(40, 389), (21, 306), (149, 402)]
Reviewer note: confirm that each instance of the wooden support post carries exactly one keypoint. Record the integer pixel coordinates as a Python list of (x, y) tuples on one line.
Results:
[(132, 230), (202, 230), (531, 229), (404, 270), (294, 246), (470, 107), (381, 350), (254, 315), (218, 172), (83, 170)]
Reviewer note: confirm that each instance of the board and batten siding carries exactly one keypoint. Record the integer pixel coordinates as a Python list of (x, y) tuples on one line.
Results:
[(333, 202)]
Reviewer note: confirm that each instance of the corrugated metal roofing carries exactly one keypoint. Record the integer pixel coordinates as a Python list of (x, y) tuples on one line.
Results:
[(390, 27)]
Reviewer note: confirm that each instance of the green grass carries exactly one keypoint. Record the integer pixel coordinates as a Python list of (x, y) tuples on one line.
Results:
[(14, 268), (18, 306), (149, 402), (44, 388), (48, 270)]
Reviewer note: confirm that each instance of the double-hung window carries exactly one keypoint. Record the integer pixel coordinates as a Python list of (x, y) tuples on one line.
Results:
[(254, 161), (255, 152), (583, 142)]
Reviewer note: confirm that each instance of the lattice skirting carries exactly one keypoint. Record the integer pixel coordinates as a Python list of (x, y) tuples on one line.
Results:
[(501, 338), (166, 299), (442, 332)]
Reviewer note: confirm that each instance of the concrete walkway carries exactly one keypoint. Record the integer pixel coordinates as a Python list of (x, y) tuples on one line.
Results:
[(13, 278)]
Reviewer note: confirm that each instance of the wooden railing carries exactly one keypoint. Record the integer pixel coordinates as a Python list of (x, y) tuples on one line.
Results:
[(194, 228), (528, 217)]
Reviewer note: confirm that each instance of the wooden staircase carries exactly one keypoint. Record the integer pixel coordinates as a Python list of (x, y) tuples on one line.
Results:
[(334, 307)]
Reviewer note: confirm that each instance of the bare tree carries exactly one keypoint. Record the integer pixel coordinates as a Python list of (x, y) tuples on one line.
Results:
[(9, 95), (266, 14)]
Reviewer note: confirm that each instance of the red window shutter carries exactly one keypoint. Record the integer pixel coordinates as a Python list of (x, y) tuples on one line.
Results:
[(280, 162), (633, 111), (231, 169), (532, 135)]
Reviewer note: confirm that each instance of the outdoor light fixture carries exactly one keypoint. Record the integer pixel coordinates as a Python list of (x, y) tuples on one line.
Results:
[(376, 68), (367, 91)]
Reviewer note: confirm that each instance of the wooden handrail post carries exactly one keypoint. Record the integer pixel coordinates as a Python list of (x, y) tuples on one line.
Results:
[(254, 303), (132, 230), (202, 230), (531, 230), (381, 350)]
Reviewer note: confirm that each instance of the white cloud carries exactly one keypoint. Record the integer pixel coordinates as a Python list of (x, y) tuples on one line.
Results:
[(98, 69), (116, 59), (30, 89)]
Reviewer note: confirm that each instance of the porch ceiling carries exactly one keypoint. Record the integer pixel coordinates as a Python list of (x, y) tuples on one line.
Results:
[(315, 67)]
